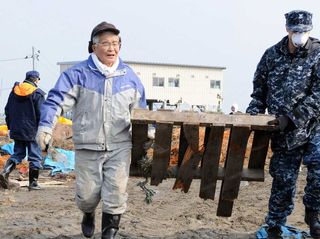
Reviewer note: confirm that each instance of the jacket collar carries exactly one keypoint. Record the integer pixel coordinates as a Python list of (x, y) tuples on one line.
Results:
[(121, 69), (106, 70), (31, 83)]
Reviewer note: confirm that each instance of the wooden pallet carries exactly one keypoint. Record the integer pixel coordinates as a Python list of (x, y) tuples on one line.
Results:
[(205, 164)]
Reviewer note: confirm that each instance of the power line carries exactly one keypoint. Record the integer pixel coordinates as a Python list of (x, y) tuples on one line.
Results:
[(34, 55), (15, 59)]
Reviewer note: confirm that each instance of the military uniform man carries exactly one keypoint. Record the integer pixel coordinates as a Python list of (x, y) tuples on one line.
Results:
[(287, 84)]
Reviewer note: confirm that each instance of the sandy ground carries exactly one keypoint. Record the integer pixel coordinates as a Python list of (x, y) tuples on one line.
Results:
[(52, 213)]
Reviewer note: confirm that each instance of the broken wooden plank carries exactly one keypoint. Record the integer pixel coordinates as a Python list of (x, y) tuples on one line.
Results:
[(201, 118), (224, 208), (233, 168), (210, 162), (256, 175), (139, 137), (187, 170), (191, 159), (259, 149), (161, 153), (183, 145), (191, 132)]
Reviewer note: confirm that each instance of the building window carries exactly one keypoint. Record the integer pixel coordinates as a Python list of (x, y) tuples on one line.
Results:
[(173, 82), (215, 84), (158, 81)]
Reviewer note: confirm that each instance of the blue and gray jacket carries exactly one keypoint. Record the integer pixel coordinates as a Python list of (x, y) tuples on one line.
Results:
[(101, 105)]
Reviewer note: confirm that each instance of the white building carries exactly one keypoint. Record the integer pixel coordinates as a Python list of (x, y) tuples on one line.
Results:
[(174, 83)]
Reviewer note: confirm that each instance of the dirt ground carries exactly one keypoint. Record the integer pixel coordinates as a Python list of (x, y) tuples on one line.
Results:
[(52, 212)]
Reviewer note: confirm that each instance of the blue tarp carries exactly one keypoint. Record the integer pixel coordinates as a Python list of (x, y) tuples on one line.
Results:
[(8, 148), (65, 165), (287, 232)]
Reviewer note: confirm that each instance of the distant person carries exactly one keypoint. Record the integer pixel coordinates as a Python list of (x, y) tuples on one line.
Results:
[(22, 118), (101, 91), (234, 109), (287, 84)]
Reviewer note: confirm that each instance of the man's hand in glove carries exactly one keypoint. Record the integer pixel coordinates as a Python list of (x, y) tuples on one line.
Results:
[(43, 139), (283, 123)]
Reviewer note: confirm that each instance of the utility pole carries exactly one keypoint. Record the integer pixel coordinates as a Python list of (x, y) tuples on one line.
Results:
[(35, 56)]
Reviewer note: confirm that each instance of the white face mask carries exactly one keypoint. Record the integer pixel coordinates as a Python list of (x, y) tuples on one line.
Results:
[(299, 39)]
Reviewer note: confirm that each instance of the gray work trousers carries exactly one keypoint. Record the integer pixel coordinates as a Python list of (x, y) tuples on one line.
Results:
[(102, 175)]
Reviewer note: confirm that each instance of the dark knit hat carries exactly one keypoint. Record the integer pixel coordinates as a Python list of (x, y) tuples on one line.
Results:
[(101, 27)]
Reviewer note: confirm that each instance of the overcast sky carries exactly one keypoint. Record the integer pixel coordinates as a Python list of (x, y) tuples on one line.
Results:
[(229, 33)]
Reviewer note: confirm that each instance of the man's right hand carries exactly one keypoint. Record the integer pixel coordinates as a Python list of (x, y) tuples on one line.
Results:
[(283, 123), (43, 139)]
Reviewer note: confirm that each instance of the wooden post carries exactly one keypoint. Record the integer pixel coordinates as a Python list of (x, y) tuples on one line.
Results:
[(210, 162), (233, 169), (139, 137), (191, 159), (161, 154)]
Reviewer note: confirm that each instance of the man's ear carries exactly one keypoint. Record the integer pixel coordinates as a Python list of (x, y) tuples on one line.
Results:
[(94, 46)]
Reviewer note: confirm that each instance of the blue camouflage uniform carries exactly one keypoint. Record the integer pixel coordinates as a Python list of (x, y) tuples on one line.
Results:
[(287, 84)]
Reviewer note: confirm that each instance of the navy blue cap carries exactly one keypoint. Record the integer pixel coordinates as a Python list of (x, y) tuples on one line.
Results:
[(32, 74), (299, 21)]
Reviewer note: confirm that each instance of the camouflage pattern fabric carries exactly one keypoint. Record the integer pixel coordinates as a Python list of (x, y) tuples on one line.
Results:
[(284, 168), (287, 84), (299, 21)]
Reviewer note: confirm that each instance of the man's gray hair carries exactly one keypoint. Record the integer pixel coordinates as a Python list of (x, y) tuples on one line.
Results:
[(95, 39)]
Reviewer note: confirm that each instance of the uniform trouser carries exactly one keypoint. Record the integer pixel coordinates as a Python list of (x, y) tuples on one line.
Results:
[(24, 148), (102, 175), (284, 168)]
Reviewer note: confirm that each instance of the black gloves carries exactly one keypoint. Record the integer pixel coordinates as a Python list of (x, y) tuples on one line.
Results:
[(284, 123)]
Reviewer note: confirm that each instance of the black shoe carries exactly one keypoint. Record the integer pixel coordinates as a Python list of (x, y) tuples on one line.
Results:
[(109, 233), (312, 219), (33, 179), (109, 225), (87, 224), (4, 181), (4, 175), (34, 186), (274, 233)]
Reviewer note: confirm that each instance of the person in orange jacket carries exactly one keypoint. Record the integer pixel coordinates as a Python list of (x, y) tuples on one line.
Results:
[(22, 117)]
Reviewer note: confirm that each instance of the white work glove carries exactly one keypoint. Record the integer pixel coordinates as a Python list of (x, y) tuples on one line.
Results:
[(43, 139)]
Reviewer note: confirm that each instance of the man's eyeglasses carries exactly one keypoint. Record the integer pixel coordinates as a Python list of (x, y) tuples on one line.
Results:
[(109, 44)]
